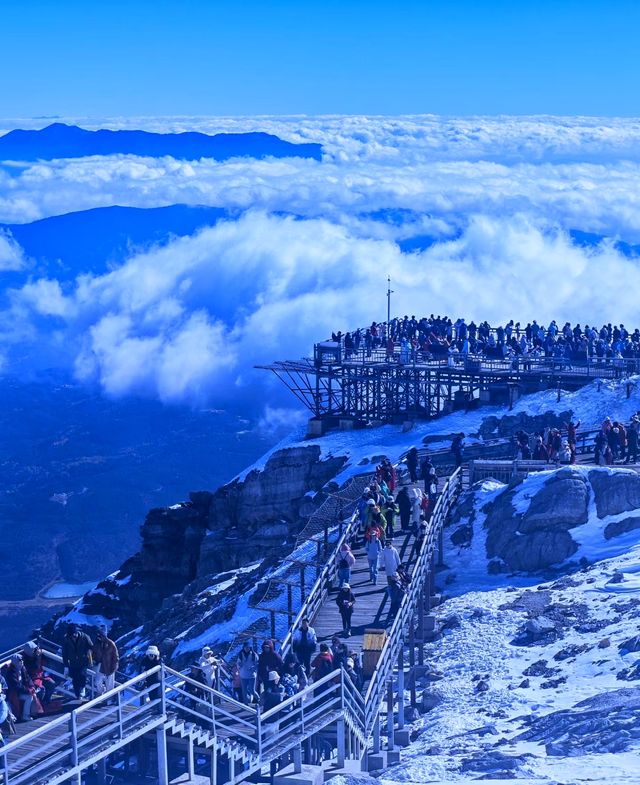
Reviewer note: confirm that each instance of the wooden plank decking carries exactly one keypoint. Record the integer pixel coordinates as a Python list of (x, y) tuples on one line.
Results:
[(372, 604)]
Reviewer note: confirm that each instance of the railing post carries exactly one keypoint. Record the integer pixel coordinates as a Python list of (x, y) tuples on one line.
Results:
[(161, 754), (297, 759), (162, 686), (341, 743), (119, 714), (412, 661), (401, 687), (390, 733), (376, 733), (73, 728)]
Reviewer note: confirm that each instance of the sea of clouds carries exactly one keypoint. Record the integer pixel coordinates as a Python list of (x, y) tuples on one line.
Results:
[(310, 251)]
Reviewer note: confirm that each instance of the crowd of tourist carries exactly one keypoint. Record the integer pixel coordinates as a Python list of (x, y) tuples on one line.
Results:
[(614, 443), (411, 339), (31, 687)]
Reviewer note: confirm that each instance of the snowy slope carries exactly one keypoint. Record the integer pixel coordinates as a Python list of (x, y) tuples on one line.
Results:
[(590, 405), (563, 707)]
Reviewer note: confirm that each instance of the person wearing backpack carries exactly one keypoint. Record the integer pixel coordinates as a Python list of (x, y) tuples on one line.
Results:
[(344, 562)]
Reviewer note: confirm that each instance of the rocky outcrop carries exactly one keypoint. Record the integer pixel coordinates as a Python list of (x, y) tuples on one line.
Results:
[(615, 491), (539, 537), (252, 518), (511, 423), (186, 545), (531, 530)]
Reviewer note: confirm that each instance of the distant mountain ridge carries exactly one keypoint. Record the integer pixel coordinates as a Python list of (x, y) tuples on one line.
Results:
[(89, 241), (69, 141)]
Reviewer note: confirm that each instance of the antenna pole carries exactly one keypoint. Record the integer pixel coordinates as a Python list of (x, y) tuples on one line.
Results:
[(389, 293)]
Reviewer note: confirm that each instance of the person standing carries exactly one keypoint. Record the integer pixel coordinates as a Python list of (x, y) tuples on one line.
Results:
[(412, 464), (106, 658), (344, 562), (373, 549), (457, 448), (345, 602), (304, 644), (572, 438), (404, 503), (391, 560), (248, 668), (76, 658), (268, 661), (208, 665), (632, 441)]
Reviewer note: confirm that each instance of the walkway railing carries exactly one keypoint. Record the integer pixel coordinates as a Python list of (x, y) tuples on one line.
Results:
[(64, 746), (173, 704)]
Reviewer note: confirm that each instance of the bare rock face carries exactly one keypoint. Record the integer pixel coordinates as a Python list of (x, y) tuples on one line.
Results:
[(539, 537), (510, 423), (184, 546), (615, 492), (252, 518)]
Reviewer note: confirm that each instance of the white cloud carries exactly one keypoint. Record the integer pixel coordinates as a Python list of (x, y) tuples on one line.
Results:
[(188, 321), (11, 256)]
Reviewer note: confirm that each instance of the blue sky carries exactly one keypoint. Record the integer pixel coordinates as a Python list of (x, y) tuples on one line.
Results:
[(459, 57)]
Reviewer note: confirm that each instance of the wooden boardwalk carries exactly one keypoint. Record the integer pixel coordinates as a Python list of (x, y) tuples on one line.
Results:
[(372, 603)]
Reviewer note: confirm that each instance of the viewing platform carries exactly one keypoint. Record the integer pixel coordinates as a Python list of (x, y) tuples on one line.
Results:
[(346, 388)]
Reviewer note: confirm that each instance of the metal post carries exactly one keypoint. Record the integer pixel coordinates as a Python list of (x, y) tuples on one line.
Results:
[(412, 662), (376, 734), (73, 728), (297, 759), (273, 623), (341, 743), (421, 610), (401, 688), (190, 759), (390, 735), (303, 593), (120, 729), (102, 771), (389, 293), (440, 547), (213, 777), (161, 754)]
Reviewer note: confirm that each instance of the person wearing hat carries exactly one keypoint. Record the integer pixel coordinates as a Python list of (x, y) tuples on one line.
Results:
[(350, 670), (373, 549), (208, 665), (268, 661), (151, 660), (76, 657), (34, 664), (21, 692), (345, 602), (106, 659)]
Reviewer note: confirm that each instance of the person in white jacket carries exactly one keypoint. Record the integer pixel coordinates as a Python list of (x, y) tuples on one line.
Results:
[(390, 560), (208, 664)]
